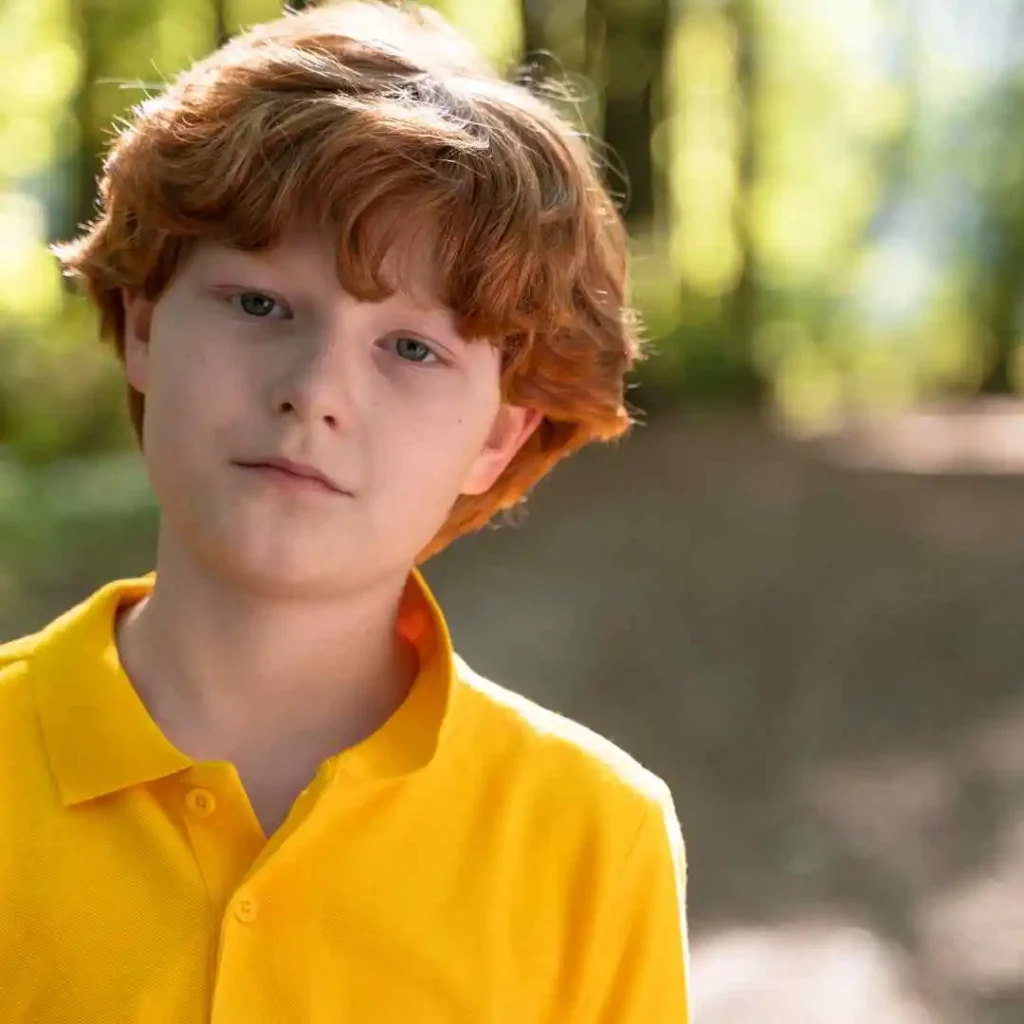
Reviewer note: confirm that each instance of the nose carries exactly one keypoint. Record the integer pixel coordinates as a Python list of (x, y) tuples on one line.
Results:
[(319, 382)]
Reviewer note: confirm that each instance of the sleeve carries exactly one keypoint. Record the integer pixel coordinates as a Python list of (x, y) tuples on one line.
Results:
[(638, 963)]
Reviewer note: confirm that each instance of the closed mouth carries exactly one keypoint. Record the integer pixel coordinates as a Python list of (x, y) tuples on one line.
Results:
[(296, 470)]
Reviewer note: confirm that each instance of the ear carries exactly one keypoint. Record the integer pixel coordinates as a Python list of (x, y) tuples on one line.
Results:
[(512, 427), (138, 321)]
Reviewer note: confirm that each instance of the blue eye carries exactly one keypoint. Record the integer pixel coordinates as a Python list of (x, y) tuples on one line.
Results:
[(412, 350), (256, 304)]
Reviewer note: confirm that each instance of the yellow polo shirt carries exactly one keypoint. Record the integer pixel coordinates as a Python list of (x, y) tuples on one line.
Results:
[(477, 860)]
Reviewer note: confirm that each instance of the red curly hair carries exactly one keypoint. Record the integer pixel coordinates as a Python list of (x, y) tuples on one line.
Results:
[(351, 115)]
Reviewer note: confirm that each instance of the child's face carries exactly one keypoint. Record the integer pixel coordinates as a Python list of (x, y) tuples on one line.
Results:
[(249, 357)]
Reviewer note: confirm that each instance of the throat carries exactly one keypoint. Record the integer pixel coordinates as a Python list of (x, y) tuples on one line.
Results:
[(226, 687), (273, 789), (278, 755)]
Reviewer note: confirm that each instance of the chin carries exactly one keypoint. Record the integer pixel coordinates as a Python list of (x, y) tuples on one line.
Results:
[(281, 561), (282, 572)]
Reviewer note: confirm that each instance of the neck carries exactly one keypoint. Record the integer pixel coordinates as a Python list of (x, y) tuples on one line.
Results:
[(220, 667)]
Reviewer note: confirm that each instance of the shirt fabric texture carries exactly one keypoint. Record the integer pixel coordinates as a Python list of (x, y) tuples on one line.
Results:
[(476, 860)]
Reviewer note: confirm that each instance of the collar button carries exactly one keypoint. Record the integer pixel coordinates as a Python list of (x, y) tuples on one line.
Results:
[(200, 802)]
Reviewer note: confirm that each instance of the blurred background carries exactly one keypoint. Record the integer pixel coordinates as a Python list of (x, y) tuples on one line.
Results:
[(796, 591)]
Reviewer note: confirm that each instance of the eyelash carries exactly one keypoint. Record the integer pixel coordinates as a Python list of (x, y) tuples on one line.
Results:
[(435, 357)]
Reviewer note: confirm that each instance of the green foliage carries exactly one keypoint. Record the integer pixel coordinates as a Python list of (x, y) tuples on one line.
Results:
[(61, 525)]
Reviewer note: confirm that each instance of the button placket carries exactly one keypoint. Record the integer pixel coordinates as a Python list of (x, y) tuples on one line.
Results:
[(214, 815)]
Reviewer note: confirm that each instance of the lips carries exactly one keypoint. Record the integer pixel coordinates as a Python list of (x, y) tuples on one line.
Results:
[(297, 471)]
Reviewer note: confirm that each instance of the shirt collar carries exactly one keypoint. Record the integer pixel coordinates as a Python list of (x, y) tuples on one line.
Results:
[(412, 737), (100, 738), (98, 734)]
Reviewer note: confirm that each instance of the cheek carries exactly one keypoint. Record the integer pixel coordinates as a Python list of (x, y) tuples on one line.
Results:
[(189, 407), (431, 449), (195, 375)]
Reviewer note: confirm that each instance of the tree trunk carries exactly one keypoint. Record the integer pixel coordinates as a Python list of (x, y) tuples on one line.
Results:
[(742, 305), (626, 47), (220, 26), (1003, 280), (534, 16), (88, 158), (1002, 308)]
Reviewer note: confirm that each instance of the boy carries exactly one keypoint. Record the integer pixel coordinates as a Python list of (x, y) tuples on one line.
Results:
[(365, 295)]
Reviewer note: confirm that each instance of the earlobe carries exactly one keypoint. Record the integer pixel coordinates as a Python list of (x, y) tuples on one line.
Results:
[(138, 319), (512, 428)]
